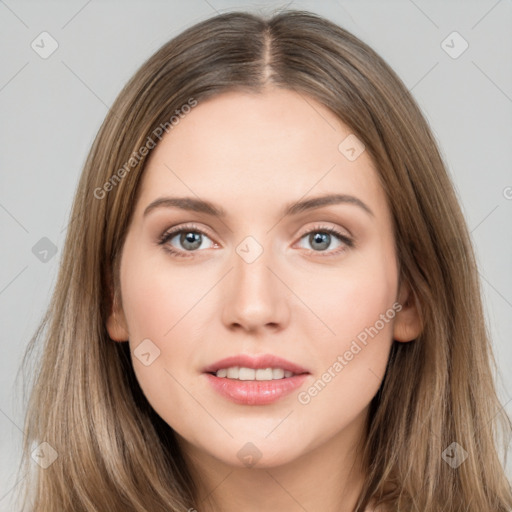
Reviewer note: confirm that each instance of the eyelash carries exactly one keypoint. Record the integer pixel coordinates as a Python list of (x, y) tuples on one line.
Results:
[(169, 235)]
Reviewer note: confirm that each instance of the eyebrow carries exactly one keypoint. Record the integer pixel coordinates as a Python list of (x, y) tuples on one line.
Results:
[(201, 206)]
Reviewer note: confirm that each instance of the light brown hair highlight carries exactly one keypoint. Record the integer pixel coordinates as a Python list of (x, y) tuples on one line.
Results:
[(115, 452)]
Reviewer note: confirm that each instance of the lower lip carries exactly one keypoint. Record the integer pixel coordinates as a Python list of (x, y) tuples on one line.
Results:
[(259, 392)]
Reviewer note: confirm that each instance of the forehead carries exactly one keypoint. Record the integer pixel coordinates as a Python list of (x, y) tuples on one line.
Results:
[(275, 146)]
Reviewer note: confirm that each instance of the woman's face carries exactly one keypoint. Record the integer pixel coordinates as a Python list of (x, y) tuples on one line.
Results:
[(267, 277)]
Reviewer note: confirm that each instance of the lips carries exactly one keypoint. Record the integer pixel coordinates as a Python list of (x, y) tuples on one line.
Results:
[(256, 362), (252, 392)]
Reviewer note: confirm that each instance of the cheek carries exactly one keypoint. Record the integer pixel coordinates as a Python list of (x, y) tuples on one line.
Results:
[(159, 306), (356, 302), (353, 296), (157, 296)]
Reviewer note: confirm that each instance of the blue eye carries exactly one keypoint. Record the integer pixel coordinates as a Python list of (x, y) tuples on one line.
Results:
[(191, 239), (320, 238)]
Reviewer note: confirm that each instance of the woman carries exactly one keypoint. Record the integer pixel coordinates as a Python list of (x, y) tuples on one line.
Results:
[(268, 298)]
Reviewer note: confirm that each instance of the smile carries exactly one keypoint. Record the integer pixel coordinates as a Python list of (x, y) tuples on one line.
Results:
[(244, 373)]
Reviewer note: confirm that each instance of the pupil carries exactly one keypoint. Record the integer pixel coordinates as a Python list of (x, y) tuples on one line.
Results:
[(322, 238), (191, 238)]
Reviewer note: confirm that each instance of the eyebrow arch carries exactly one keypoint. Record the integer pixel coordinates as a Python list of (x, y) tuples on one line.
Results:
[(294, 208)]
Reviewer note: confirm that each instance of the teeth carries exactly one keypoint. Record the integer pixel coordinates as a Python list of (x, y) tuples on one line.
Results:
[(246, 374), (233, 372), (277, 373), (264, 374), (242, 373)]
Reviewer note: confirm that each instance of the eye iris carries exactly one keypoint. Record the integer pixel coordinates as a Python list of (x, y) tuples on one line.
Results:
[(321, 238), (190, 238)]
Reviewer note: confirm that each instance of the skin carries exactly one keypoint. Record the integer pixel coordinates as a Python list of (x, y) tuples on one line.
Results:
[(252, 154)]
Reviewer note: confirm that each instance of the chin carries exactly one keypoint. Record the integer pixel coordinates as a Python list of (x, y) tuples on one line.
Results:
[(256, 453)]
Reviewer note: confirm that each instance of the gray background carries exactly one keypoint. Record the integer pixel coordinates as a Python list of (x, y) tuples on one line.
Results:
[(51, 109)]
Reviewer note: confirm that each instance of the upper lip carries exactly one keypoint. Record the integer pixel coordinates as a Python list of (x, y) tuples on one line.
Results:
[(255, 361)]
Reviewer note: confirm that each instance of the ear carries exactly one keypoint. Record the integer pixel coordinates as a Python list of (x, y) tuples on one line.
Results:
[(116, 322), (408, 323)]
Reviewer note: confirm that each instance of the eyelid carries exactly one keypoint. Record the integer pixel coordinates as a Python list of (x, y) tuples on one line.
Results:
[(170, 233), (184, 227), (325, 227), (346, 240)]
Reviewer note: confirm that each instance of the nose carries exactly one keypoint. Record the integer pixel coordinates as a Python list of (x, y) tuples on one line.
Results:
[(255, 298)]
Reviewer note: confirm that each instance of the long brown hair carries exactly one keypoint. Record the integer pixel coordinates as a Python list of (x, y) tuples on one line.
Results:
[(113, 451)]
